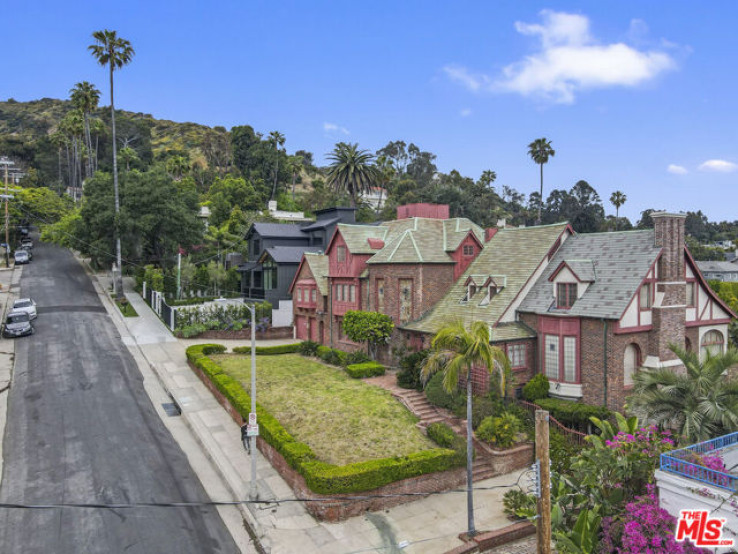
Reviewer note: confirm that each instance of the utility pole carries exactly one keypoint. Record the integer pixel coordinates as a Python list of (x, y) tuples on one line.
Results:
[(179, 275), (543, 530), (252, 493)]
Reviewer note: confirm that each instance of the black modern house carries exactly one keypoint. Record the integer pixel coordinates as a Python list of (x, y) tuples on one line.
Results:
[(275, 251)]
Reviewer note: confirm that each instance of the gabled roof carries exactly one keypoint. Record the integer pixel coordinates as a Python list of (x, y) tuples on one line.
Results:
[(282, 230), (318, 265), (512, 253), (288, 254), (620, 260), (321, 224), (357, 236), (583, 270)]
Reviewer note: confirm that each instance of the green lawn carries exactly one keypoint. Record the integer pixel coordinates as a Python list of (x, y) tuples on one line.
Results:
[(343, 420)]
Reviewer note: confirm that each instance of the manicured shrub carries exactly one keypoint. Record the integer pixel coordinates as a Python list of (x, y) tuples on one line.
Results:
[(357, 357), (332, 356), (438, 396), (191, 330), (573, 414), (269, 350), (499, 431), (308, 348), (441, 434), (410, 366), (536, 388), (484, 407), (519, 504), (367, 369)]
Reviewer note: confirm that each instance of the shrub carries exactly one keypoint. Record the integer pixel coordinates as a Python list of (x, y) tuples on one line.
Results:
[(269, 350), (438, 396), (536, 388), (357, 357), (519, 504), (321, 477), (561, 451), (410, 366), (332, 356), (573, 414), (308, 348), (499, 431), (192, 330), (445, 437), (483, 407), (367, 369)]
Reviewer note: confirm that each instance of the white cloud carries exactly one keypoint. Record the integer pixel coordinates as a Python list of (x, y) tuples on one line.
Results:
[(333, 128), (568, 61), (719, 166), (466, 112), (677, 169)]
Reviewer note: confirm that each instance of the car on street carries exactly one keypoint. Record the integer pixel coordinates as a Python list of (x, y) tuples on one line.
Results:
[(27, 249), (25, 305), (17, 324), (21, 257), (27, 242)]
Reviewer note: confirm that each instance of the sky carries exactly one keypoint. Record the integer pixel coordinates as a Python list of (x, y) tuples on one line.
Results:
[(634, 96)]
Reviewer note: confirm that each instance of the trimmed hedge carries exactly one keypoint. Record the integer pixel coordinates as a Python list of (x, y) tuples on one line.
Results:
[(320, 477), (269, 350), (572, 413), (445, 437), (332, 356), (367, 369), (308, 348)]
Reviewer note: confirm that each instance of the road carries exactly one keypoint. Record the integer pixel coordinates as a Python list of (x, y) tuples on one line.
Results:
[(81, 429)]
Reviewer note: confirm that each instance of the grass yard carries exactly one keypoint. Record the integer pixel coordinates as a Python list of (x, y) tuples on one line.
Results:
[(343, 420)]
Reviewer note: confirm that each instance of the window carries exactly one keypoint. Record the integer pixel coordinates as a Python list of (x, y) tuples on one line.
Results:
[(712, 343), (690, 295), (341, 253), (257, 279), (313, 296), (380, 295), (566, 295), (551, 357), (299, 294), (257, 247), (352, 293), (270, 275), (468, 250), (406, 300), (645, 301), (516, 354), (570, 359), (344, 293), (631, 363)]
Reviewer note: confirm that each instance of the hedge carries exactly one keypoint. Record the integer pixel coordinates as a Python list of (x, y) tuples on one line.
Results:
[(367, 369), (269, 350), (320, 477), (332, 356), (572, 413)]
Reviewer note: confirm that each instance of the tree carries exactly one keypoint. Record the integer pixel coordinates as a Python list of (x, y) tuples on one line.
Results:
[(373, 328), (487, 178), (177, 166), (540, 151), (277, 139), (455, 350), (294, 166), (700, 404), (128, 155), (114, 52), (85, 98), (351, 170), (386, 172), (617, 199)]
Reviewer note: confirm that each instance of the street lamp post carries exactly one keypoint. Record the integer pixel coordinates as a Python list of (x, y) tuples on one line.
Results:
[(252, 309)]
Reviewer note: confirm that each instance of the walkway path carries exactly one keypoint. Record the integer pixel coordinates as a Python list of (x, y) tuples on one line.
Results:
[(430, 525)]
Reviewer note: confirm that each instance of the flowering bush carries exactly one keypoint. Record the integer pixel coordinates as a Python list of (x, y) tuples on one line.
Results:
[(709, 461), (643, 528)]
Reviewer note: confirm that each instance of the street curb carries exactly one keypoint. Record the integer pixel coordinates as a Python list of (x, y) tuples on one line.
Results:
[(250, 523)]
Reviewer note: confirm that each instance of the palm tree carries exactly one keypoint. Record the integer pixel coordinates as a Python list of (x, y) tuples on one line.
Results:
[(617, 199), (294, 166), (352, 170), (386, 171), (177, 166), (128, 155), (85, 97), (540, 151), (454, 351), (699, 404), (276, 138), (115, 52)]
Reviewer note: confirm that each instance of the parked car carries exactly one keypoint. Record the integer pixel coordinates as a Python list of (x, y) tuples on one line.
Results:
[(21, 257), (27, 242), (17, 324), (27, 249), (25, 305)]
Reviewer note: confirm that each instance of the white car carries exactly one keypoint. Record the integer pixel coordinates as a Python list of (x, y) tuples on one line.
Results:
[(25, 305)]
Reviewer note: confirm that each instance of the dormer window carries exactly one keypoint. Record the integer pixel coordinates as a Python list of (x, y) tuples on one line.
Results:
[(341, 253), (468, 250), (566, 295)]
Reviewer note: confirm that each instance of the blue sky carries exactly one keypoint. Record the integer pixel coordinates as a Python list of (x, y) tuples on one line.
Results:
[(635, 96)]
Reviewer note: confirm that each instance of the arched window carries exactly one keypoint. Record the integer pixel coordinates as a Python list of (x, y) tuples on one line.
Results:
[(712, 342), (631, 363)]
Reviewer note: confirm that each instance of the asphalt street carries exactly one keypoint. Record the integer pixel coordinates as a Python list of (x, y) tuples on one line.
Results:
[(81, 429)]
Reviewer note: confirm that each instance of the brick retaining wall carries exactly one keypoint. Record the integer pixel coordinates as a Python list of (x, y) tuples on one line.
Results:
[(245, 334)]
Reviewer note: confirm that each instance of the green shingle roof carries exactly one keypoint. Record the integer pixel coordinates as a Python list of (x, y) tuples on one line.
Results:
[(514, 254), (318, 264)]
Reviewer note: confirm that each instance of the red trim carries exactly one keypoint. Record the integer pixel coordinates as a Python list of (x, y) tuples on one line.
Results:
[(707, 322), (561, 327), (639, 329), (637, 295), (703, 282), (294, 279)]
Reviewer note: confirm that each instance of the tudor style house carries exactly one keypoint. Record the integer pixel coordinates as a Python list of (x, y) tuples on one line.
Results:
[(400, 268)]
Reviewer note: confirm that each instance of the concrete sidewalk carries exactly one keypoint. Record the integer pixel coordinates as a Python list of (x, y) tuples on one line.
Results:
[(428, 525)]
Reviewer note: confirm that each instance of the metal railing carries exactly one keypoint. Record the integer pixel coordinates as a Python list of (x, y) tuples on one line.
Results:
[(572, 435), (685, 462)]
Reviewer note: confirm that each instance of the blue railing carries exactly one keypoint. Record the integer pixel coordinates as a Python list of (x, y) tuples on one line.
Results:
[(682, 462)]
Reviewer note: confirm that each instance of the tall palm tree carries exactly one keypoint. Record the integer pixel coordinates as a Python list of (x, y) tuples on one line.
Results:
[(454, 351), (294, 166), (85, 98), (699, 404), (617, 199), (115, 52), (351, 170), (277, 139), (540, 151)]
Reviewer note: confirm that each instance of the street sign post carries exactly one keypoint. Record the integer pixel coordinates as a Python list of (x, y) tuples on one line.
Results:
[(252, 430)]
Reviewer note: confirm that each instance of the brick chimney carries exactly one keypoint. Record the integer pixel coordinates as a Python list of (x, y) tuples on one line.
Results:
[(669, 306)]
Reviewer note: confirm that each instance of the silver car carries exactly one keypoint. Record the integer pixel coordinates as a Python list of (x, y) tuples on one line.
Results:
[(26, 305)]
